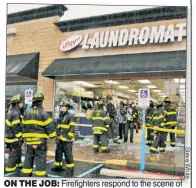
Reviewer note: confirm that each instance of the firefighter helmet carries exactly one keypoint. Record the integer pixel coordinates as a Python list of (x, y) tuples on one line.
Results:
[(109, 97), (151, 103), (16, 99), (167, 99), (159, 104), (38, 97), (65, 102)]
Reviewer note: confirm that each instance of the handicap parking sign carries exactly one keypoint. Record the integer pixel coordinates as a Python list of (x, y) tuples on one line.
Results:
[(143, 97)]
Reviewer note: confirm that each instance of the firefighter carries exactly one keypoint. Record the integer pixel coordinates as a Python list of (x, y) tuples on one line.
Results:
[(13, 133), (135, 117), (37, 128), (158, 121), (66, 136), (149, 114), (171, 120), (100, 125), (113, 125), (121, 114)]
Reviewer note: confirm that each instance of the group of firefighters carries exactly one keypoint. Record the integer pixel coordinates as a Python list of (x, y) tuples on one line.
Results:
[(34, 127), (105, 120)]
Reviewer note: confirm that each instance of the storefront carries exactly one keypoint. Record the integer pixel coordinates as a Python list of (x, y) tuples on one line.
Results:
[(110, 54)]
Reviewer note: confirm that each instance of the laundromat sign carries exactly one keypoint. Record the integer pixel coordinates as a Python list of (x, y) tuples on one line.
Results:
[(126, 37)]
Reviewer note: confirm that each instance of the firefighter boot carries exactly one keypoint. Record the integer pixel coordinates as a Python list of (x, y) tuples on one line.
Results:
[(96, 150), (106, 151), (70, 172), (58, 168)]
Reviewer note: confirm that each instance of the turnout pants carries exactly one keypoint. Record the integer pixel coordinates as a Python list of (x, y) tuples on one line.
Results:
[(102, 139), (158, 142), (121, 130), (113, 130), (172, 137), (39, 154), (150, 138), (65, 148), (14, 160)]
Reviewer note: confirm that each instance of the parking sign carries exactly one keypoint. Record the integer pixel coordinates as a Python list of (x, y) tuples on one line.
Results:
[(143, 97), (28, 96)]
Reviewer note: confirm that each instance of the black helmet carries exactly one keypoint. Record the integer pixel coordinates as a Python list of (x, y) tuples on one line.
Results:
[(16, 99), (167, 100), (151, 104), (159, 104), (38, 97)]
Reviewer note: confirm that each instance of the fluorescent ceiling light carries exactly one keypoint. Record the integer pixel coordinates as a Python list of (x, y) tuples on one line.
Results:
[(156, 90), (151, 86), (182, 80), (123, 87), (182, 90), (163, 96), (111, 82), (144, 81), (132, 90), (182, 86), (85, 83)]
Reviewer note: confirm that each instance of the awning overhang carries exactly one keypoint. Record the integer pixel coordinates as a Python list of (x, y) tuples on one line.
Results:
[(156, 65), (22, 67)]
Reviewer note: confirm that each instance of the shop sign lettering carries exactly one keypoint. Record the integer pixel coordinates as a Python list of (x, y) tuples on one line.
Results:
[(71, 43), (127, 37)]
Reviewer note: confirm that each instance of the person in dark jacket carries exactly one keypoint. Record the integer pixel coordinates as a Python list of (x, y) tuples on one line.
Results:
[(149, 115), (135, 117), (158, 121), (113, 124), (37, 128), (66, 137), (171, 119), (13, 133), (100, 125)]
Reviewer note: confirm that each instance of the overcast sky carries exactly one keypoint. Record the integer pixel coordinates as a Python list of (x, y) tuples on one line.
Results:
[(78, 11)]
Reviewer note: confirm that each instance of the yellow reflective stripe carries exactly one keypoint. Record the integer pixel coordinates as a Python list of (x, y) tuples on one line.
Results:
[(58, 163), (30, 143), (107, 126), (52, 134), (19, 134), (27, 170), (171, 123), (162, 124), (96, 132), (161, 149), (37, 135), (11, 169), (36, 122), (157, 118), (95, 146), (70, 134), (100, 128), (115, 138), (11, 140), (64, 126), (173, 143), (165, 111), (15, 122), (19, 165), (70, 165), (103, 147), (171, 113), (40, 173), (72, 123), (153, 148), (48, 121), (149, 117), (62, 138), (32, 139), (8, 122), (99, 118)]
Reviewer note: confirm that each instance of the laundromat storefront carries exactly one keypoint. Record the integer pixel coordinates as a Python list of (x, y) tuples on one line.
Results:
[(103, 58)]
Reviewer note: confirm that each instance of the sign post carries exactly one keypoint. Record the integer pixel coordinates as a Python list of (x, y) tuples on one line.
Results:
[(28, 97), (143, 101)]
